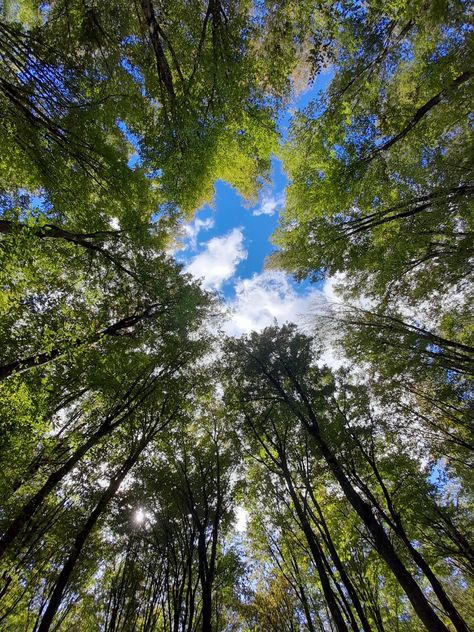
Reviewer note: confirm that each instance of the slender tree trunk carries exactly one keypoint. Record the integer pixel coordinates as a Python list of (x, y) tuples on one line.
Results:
[(307, 612), (459, 539), (346, 606), (299, 588), (206, 578), (30, 508), (412, 207), (419, 114), (382, 543), (340, 566), (118, 415), (206, 608), (39, 359), (50, 231), (438, 589), (83, 535), (164, 72), (207, 567), (418, 558), (316, 553)]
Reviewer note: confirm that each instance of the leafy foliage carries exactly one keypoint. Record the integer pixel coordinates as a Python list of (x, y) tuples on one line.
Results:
[(132, 437)]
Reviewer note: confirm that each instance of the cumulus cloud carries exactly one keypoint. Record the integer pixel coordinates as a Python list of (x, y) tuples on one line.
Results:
[(269, 297), (270, 204), (219, 259), (191, 231)]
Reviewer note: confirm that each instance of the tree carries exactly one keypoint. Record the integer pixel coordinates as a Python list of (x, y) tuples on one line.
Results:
[(380, 188), (131, 435), (276, 367), (180, 86)]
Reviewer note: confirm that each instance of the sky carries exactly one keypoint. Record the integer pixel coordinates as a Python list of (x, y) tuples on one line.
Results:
[(226, 244)]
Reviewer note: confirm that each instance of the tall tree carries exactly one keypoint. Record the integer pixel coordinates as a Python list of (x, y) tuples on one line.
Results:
[(380, 183), (277, 367)]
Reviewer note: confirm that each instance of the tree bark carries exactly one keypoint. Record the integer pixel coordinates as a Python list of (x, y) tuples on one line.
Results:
[(338, 564), (419, 114), (418, 558), (411, 208), (382, 543), (50, 231), (30, 508), (40, 359), (83, 535), (164, 73), (316, 553)]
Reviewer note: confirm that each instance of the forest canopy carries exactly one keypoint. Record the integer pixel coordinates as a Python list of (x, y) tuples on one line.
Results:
[(135, 433)]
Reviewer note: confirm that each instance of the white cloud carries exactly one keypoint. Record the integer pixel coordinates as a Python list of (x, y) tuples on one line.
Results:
[(332, 355), (330, 288), (269, 297), (219, 260), (270, 204), (191, 231)]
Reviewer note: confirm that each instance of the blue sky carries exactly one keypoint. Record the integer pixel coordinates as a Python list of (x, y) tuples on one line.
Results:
[(226, 244), (244, 230)]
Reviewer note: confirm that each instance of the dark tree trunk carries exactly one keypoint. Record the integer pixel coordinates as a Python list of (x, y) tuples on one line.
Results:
[(339, 565), (418, 558), (30, 508), (40, 359), (405, 209), (83, 535), (382, 543), (131, 401), (316, 553), (419, 114), (85, 240), (164, 72)]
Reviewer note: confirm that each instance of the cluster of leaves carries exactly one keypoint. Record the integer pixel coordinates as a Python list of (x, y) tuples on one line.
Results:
[(126, 446), (380, 167), (379, 202), (176, 87)]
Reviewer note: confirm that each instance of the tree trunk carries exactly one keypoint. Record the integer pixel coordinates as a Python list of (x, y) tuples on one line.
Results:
[(419, 114), (418, 558), (340, 566), (34, 503), (164, 72), (382, 543), (78, 239), (317, 555), (40, 359), (115, 418), (83, 535)]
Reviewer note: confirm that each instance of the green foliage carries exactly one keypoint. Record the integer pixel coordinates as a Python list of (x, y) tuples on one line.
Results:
[(132, 437), (380, 169)]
